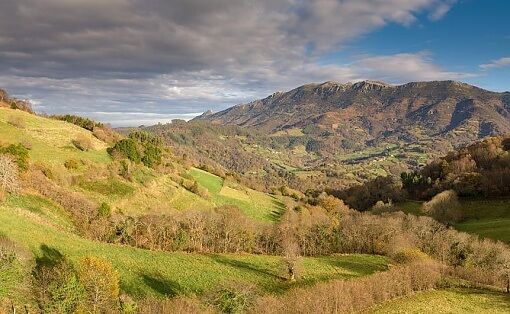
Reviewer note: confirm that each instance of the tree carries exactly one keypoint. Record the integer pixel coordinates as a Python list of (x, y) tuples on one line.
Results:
[(101, 284), (444, 207), (9, 175), (289, 244)]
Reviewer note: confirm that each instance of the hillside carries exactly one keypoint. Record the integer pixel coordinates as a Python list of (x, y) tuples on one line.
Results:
[(348, 117), (125, 224)]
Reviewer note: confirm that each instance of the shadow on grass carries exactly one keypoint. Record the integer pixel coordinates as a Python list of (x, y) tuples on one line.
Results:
[(162, 285), (50, 256), (354, 266), (277, 214), (244, 266)]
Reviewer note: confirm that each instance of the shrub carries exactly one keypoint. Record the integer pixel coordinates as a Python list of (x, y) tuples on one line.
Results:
[(126, 148), (353, 296), (106, 134), (12, 274), (410, 255), (144, 137), (9, 176), (178, 304), (104, 210), (382, 207), (101, 285), (72, 164), (128, 305), (85, 123), (81, 210), (23, 105), (56, 285), (233, 297), (152, 156), (83, 143), (19, 154), (444, 207)]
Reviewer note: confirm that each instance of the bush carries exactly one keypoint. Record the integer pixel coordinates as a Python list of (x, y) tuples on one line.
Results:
[(56, 285), (23, 105), (12, 273), (382, 207), (139, 147), (72, 164), (353, 296), (126, 148), (85, 123), (83, 143), (444, 207), (81, 210), (104, 210), (101, 285), (9, 176), (174, 305), (106, 134), (233, 297), (144, 137), (19, 153), (411, 255), (152, 156)]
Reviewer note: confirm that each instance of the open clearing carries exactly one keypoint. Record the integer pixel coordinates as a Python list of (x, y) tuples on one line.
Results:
[(253, 203), (486, 218)]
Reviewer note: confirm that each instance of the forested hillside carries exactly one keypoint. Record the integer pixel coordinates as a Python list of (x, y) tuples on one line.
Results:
[(92, 220)]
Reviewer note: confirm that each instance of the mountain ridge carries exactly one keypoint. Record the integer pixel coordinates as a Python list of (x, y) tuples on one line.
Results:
[(369, 111)]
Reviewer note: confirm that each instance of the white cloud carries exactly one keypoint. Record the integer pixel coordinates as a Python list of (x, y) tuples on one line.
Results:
[(499, 63), (406, 67)]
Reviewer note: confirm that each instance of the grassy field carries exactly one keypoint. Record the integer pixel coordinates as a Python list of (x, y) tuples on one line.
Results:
[(254, 204), (449, 301), (487, 218), (145, 272), (51, 140)]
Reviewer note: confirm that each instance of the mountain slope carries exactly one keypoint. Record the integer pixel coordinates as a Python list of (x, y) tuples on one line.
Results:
[(366, 113)]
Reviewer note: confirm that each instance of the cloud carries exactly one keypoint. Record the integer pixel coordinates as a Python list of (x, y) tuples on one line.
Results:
[(178, 56), (440, 9), (406, 67), (499, 63)]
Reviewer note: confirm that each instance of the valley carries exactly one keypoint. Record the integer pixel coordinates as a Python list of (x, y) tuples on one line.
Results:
[(188, 211)]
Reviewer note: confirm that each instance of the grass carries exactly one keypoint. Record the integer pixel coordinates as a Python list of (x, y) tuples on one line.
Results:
[(208, 180), (159, 195), (488, 218), (51, 140), (410, 207), (108, 187), (253, 203), (449, 301), (153, 273), (36, 206)]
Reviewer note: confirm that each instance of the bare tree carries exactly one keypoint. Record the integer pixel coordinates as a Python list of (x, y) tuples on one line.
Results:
[(9, 175), (290, 246), (444, 207)]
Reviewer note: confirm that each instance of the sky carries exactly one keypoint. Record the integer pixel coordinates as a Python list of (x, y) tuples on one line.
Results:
[(134, 62)]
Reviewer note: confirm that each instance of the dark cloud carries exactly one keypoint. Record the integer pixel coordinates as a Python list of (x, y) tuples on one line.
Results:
[(182, 56)]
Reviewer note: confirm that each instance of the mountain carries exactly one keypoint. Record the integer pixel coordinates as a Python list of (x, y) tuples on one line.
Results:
[(353, 116)]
